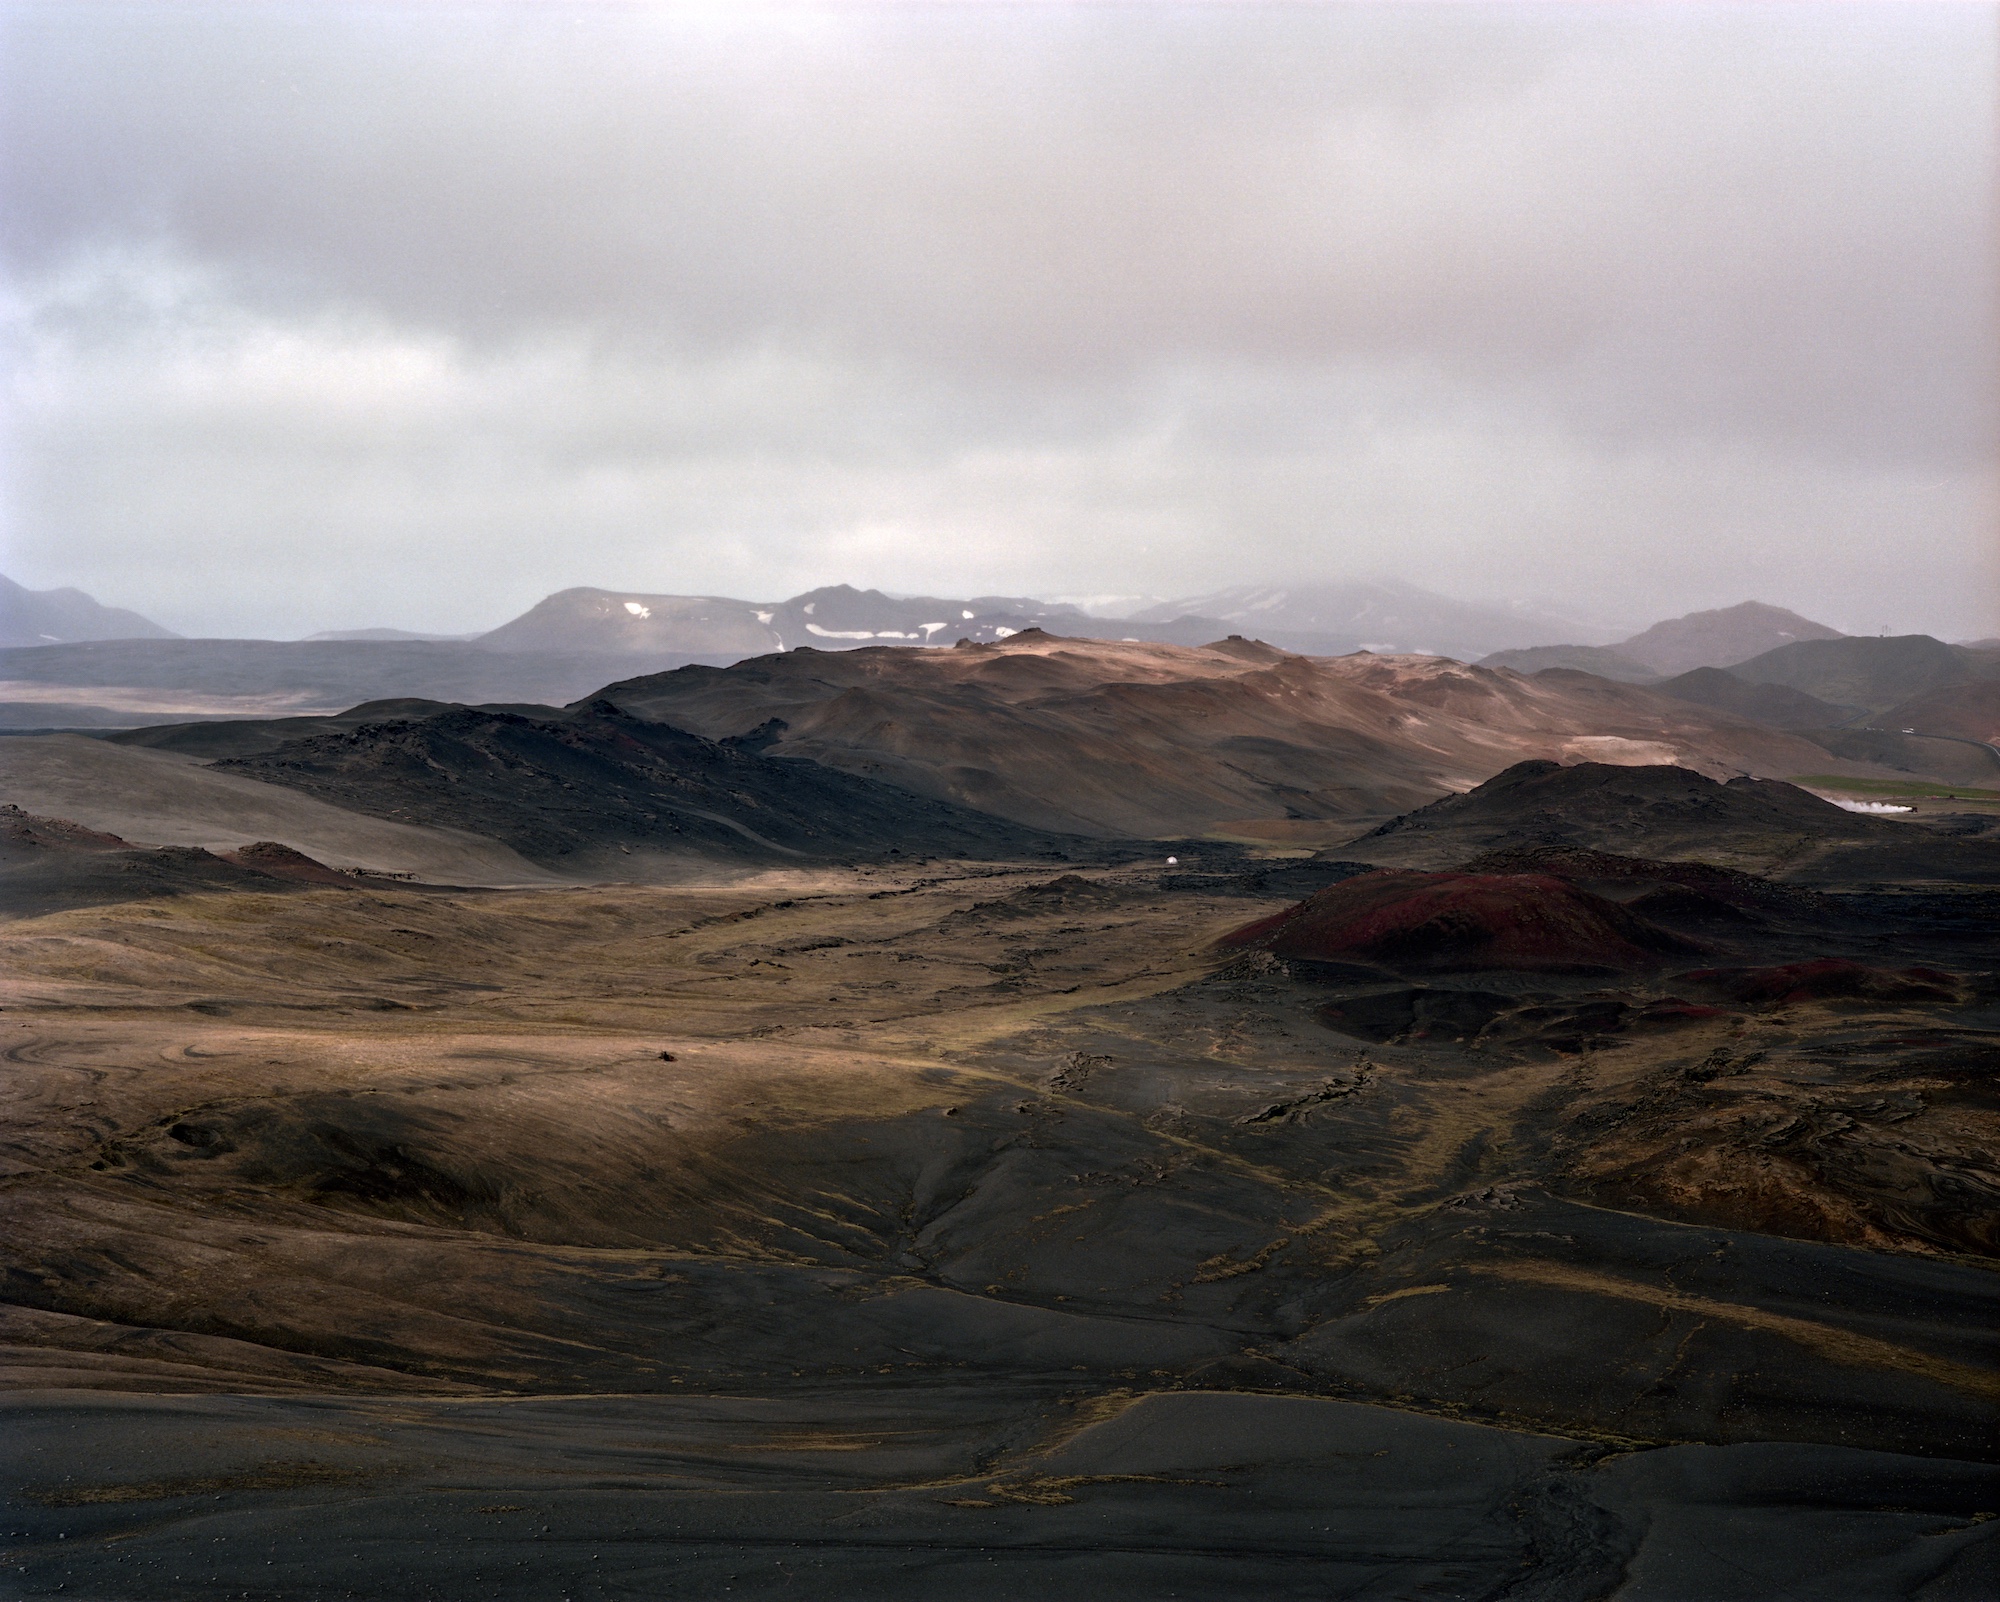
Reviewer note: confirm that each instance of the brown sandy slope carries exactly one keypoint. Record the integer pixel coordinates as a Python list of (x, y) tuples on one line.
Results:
[(1116, 738), (1777, 705), (1969, 711), (51, 864), (159, 798)]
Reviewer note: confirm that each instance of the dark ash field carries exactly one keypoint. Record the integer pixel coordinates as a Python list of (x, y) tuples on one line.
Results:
[(816, 1127), (1000, 1229)]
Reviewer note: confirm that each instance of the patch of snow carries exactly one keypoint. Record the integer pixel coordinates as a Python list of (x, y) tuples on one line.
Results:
[(965, 614), (637, 610), (893, 634), (1868, 806), (765, 617), (809, 607), (1173, 862), (932, 628), (839, 634), (1003, 633)]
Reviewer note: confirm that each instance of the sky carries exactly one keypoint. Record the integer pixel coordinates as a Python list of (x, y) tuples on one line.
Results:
[(324, 316)]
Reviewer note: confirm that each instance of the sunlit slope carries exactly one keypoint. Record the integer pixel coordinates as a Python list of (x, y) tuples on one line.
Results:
[(1140, 739)]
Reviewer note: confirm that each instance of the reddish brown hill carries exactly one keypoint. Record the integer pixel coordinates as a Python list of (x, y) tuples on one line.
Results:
[(1642, 882), (268, 856), (1719, 638), (1127, 738), (1968, 711), (1462, 920), (24, 832)]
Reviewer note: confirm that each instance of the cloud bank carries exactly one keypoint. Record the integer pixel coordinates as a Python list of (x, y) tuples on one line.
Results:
[(323, 316)]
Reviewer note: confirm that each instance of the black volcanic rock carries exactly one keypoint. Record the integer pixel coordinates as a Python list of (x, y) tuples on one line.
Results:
[(1649, 811), (589, 786)]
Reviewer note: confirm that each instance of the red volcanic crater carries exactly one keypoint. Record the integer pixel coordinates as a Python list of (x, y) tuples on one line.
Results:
[(1527, 921)]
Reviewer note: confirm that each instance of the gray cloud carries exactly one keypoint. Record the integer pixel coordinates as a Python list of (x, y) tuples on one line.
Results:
[(408, 315)]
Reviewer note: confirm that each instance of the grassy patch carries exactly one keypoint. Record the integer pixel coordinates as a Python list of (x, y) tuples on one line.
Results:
[(1846, 786)]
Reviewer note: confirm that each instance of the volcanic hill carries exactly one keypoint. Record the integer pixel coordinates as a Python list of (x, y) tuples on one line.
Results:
[(54, 617), (1679, 645), (1658, 810), (1134, 739), (49, 864), (1871, 673), (587, 790), (1414, 922), (1965, 711), (1721, 638), (1777, 705), (1673, 813)]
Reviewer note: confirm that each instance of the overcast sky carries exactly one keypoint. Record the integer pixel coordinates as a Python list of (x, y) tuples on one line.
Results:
[(326, 316)]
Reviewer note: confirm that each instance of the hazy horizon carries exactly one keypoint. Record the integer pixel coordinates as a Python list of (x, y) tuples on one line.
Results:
[(330, 317)]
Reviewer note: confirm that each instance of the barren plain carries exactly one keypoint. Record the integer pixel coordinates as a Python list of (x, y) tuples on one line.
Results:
[(1581, 1187)]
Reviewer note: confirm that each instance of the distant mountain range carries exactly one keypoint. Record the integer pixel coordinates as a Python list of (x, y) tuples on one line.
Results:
[(1379, 616), (73, 663), (1091, 738), (348, 636), (57, 617), (836, 618), (1717, 639)]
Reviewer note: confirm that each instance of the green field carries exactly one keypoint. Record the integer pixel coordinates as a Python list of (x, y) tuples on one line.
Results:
[(1886, 787)]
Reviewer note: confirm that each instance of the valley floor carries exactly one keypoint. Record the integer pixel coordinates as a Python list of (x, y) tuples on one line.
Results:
[(969, 1230)]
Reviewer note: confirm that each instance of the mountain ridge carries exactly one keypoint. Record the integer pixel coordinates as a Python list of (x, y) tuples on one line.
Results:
[(1718, 638), (60, 617), (1143, 739)]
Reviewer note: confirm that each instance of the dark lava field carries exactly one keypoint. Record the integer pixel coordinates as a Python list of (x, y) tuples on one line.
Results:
[(1582, 1188)]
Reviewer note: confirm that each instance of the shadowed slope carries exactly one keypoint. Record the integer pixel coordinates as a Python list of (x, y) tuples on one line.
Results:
[(1662, 811), (1778, 705), (164, 798), (48, 864), (1871, 673), (584, 789)]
